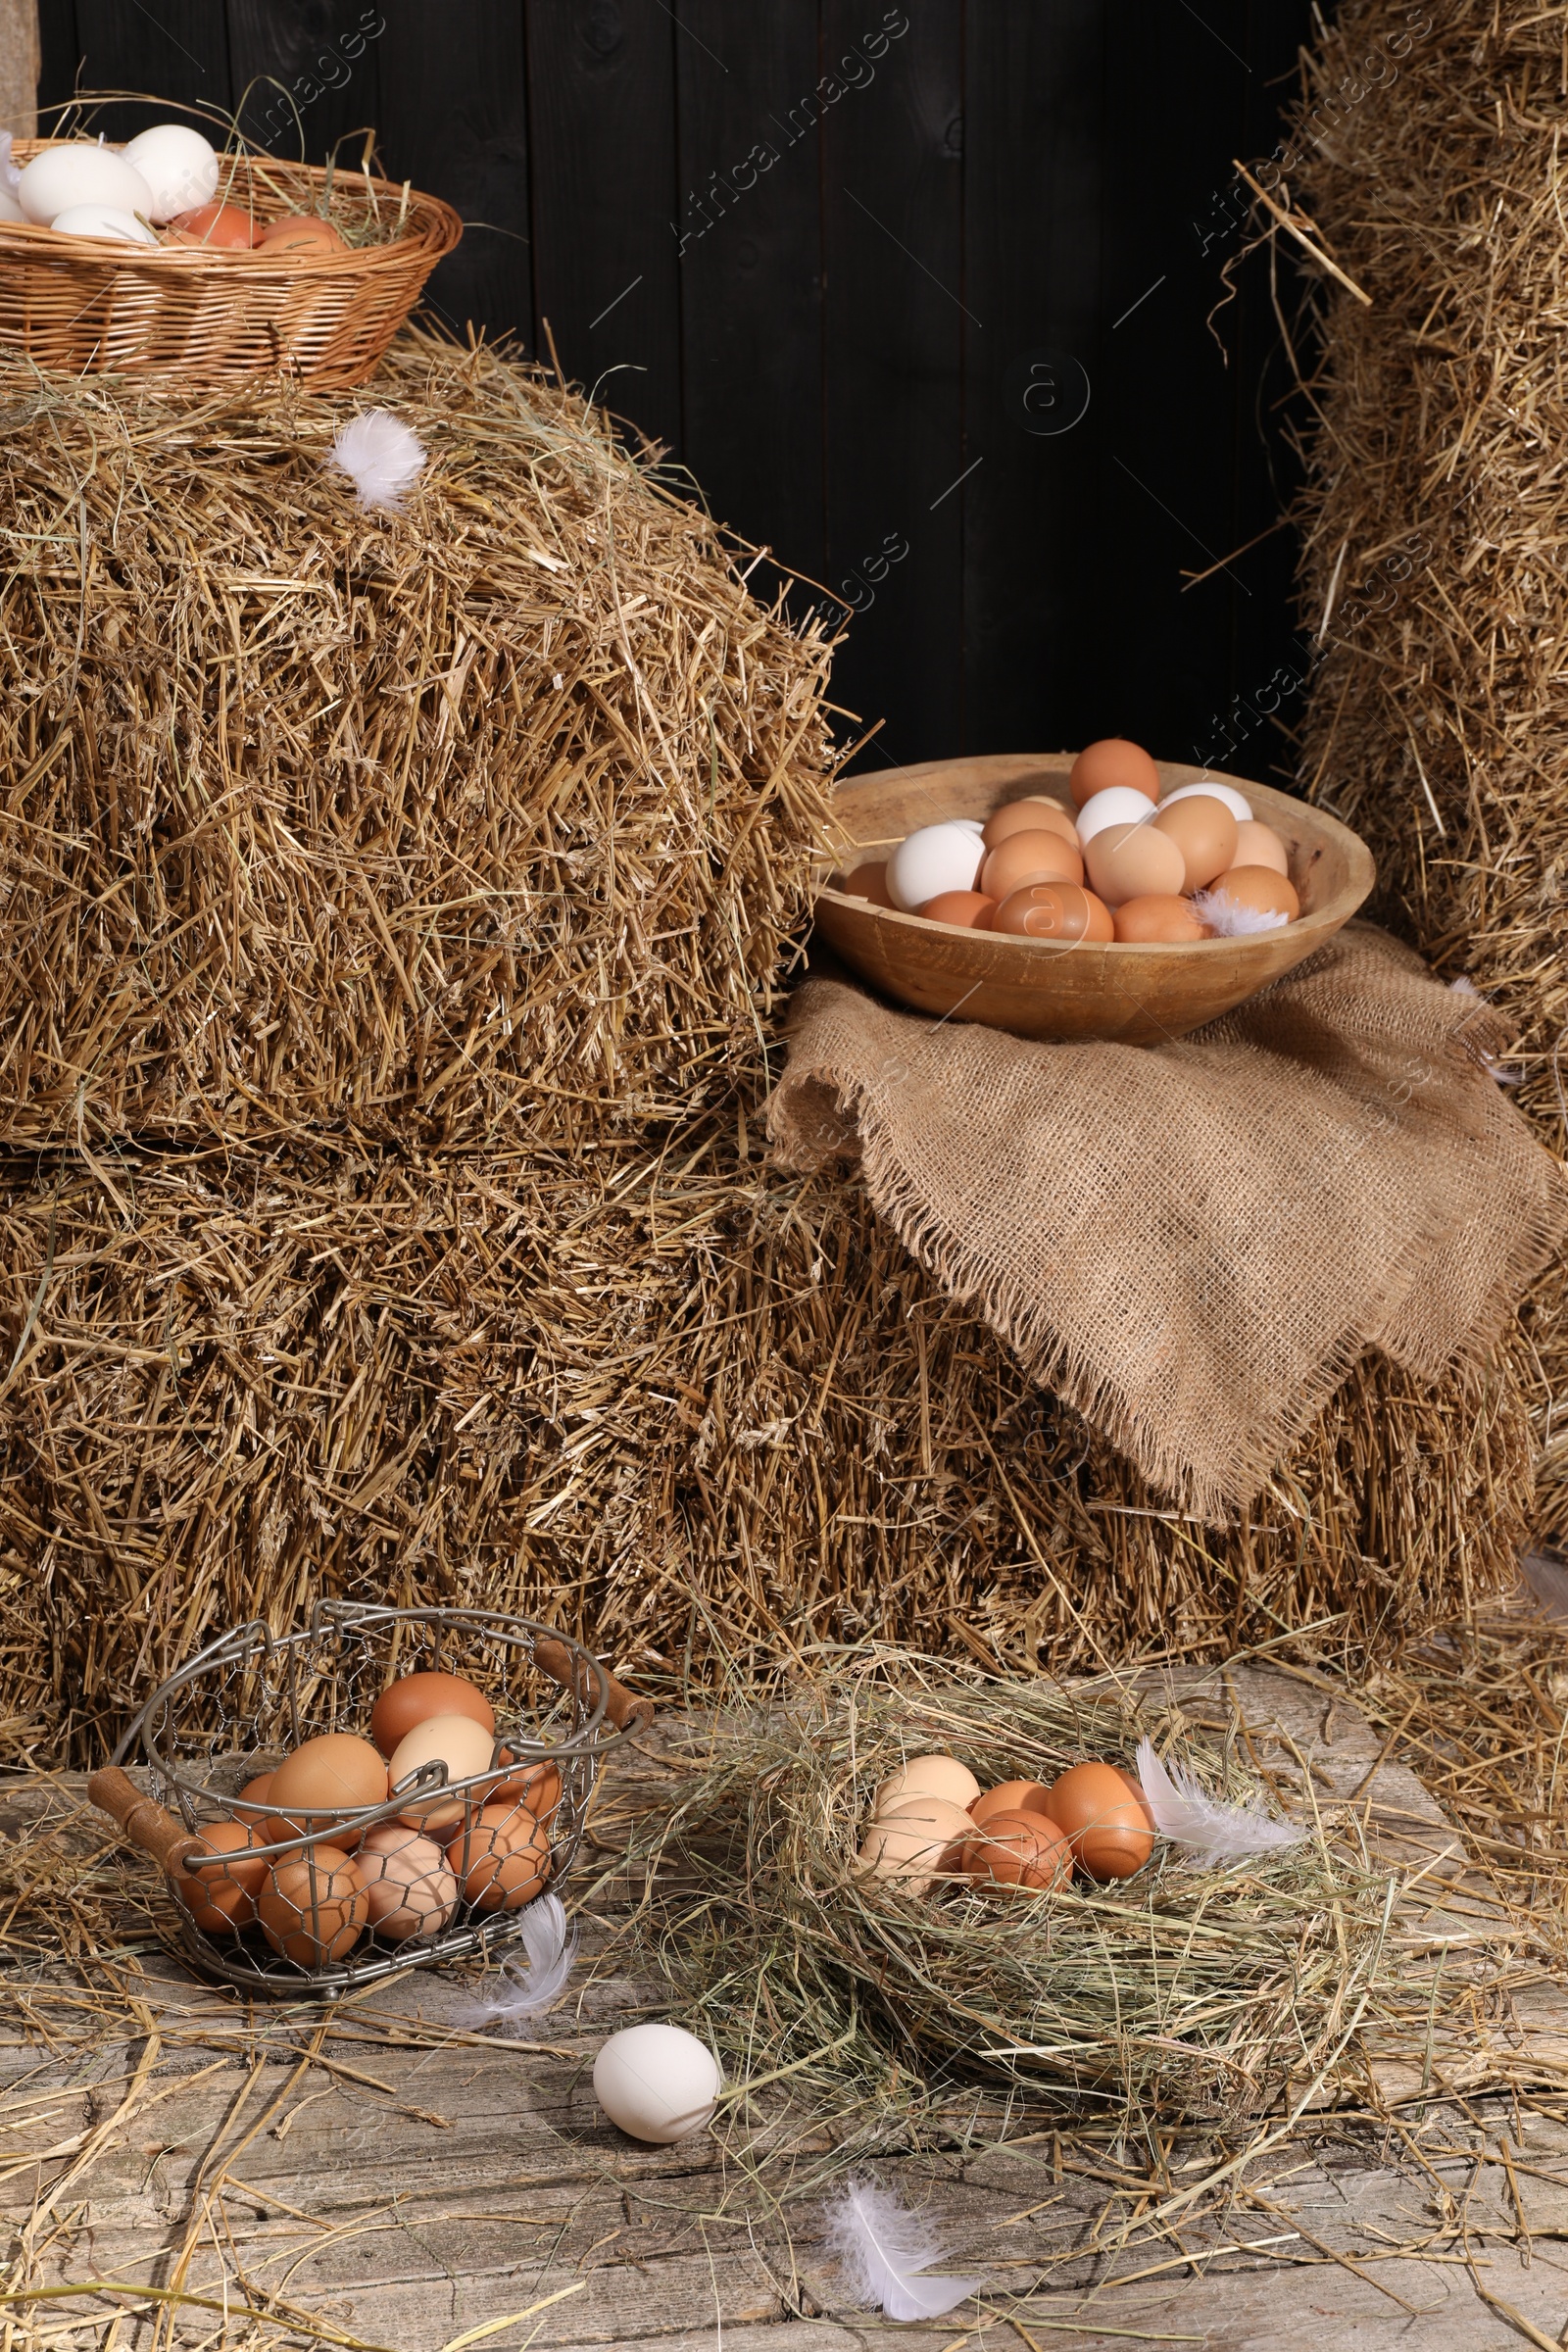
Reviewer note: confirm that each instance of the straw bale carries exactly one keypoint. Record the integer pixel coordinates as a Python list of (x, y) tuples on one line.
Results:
[(657, 1394), (320, 823)]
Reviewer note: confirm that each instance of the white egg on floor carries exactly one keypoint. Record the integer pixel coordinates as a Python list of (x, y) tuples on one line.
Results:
[(657, 2082), (179, 166), (103, 221)]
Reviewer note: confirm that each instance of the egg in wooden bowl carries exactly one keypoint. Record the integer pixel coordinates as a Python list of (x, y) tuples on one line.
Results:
[(1136, 990)]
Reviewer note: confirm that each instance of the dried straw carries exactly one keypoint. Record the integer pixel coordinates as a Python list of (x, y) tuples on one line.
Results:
[(1433, 514), (678, 1404), (1184, 1991), (321, 823)]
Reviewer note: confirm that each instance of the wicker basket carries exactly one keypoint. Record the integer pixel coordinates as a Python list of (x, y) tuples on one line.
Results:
[(81, 306)]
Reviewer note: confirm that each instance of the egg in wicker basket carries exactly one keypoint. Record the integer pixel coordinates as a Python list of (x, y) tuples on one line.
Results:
[(206, 317)]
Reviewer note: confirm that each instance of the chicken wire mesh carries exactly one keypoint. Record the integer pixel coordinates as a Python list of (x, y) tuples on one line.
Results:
[(329, 1896)]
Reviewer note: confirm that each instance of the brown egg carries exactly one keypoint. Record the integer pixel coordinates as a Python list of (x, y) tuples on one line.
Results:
[(1053, 910), (1205, 832), (1025, 857), (1014, 1796), (1019, 1849), (1029, 817), (414, 1697), (1161, 921), (409, 1883), (1259, 888), (1260, 844), (256, 1791), (322, 1780), (536, 1786), (869, 882), (220, 1895), (1136, 1790), (932, 1775), (1113, 760), (502, 1858), (912, 1843), (968, 907), (1106, 1824), (463, 1746), (1134, 861), (220, 227), (316, 1907), (301, 233)]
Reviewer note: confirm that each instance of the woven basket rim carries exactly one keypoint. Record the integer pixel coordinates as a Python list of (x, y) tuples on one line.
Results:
[(430, 225)]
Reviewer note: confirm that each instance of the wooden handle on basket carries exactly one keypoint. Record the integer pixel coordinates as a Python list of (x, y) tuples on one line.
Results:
[(623, 1710), (145, 1822)]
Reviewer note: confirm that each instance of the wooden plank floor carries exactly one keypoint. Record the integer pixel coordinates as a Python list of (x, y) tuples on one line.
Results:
[(381, 2175)]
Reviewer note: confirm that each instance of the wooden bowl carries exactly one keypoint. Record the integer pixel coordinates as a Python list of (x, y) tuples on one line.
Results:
[(1053, 988)]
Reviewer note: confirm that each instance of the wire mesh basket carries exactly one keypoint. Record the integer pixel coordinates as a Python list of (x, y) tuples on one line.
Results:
[(291, 1896)]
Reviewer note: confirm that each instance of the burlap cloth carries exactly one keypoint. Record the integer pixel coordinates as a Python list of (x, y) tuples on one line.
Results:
[(1193, 1243)]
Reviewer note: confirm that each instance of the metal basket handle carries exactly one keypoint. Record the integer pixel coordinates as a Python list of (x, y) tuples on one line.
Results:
[(625, 1712), (146, 1823)]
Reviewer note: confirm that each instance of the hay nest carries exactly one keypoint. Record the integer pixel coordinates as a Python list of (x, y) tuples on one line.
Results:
[(322, 823), (685, 1408), (1182, 1991), (1431, 519)]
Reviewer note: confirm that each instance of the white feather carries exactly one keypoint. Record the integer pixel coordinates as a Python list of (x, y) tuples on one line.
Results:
[(1227, 920), (884, 2250), (380, 456), (1189, 1816), (523, 1992)]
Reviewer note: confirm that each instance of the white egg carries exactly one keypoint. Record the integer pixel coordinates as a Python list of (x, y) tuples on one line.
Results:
[(10, 209), (82, 173), (178, 165), (939, 858), (1117, 805), (103, 221), (657, 2082), (1215, 791)]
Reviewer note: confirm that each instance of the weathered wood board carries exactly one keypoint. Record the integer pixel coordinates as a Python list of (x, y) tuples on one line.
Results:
[(384, 2176)]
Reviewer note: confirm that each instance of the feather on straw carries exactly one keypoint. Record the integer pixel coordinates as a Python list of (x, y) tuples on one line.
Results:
[(884, 2250), (380, 456), (1189, 1816), (521, 1994)]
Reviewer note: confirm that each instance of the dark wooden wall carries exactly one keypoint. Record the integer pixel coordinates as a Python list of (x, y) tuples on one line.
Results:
[(918, 293)]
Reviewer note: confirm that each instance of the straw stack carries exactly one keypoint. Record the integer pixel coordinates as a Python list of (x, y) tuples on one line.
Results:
[(1427, 153), (649, 1391)]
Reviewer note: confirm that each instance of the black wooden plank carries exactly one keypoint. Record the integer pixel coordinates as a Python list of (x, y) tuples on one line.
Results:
[(306, 74), (1191, 477), (454, 119), (602, 121), (59, 55), (1033, 192), (894, 327), (179, 58), (749, 236)]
